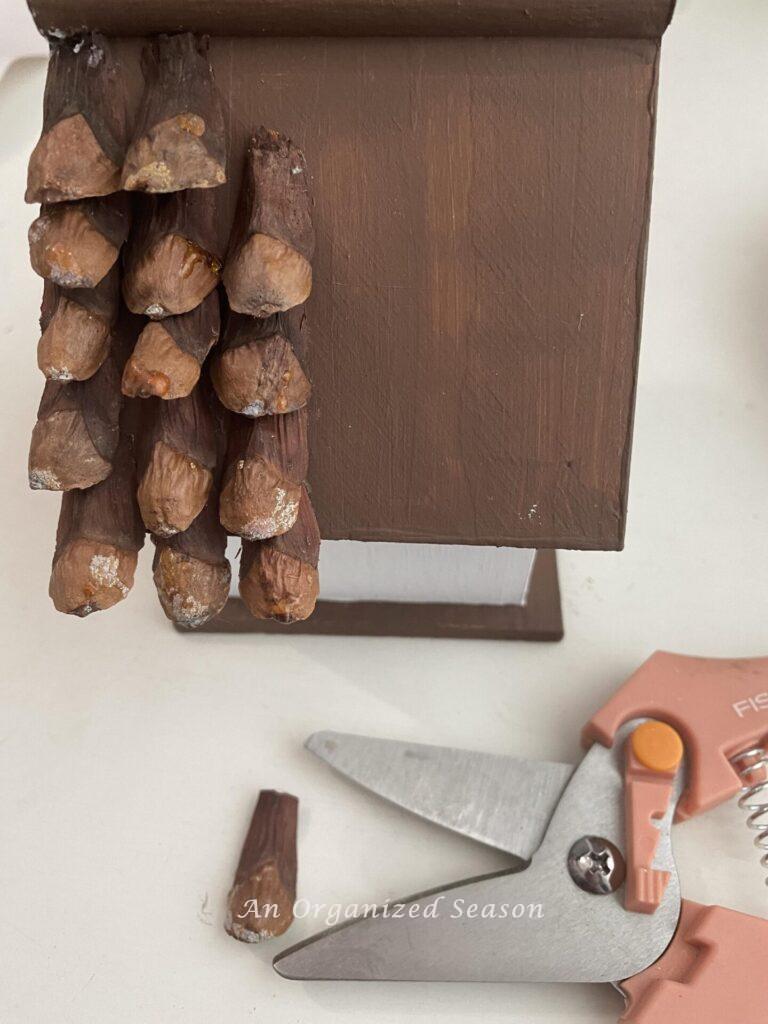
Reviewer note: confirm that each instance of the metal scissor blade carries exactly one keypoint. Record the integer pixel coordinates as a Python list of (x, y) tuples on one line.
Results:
[(505, 802), (534, 925)]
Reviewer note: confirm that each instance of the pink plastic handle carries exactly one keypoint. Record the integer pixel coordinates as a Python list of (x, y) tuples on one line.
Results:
[(719, 707), (714, 972)]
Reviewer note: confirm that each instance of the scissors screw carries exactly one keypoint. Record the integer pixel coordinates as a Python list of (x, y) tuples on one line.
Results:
[(596, 865)]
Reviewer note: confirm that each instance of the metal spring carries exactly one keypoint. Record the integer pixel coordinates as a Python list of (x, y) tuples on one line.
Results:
[(752, 768)]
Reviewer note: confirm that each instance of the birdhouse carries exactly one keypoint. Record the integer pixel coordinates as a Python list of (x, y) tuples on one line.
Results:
[(480, 179)]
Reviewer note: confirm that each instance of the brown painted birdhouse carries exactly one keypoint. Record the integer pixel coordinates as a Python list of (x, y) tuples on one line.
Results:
[(453, 197)]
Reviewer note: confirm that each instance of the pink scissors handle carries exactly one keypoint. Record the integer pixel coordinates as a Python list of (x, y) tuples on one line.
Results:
[(714, 971), (719, 707)]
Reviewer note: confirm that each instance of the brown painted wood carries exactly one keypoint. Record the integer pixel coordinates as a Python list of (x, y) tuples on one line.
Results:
[(178, 452), (76, 436), (265, 468), (82, 145), (268, 266), (620, 18), (266, 873), (256, 370), (190, 569), (481, 209), (99, 536), (278, 576), (160, 279), (179, 138), (539, 619)]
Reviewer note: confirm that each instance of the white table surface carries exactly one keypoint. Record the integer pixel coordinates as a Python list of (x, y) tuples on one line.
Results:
[(130, 755)]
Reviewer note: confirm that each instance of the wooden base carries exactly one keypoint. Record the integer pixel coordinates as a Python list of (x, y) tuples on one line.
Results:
[(539, 619)]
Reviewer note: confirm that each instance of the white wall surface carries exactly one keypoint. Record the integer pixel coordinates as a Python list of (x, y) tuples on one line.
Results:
[(19, 37), (130, 755)]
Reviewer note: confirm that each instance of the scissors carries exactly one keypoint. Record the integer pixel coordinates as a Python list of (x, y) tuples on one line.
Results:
[(592, 894)]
